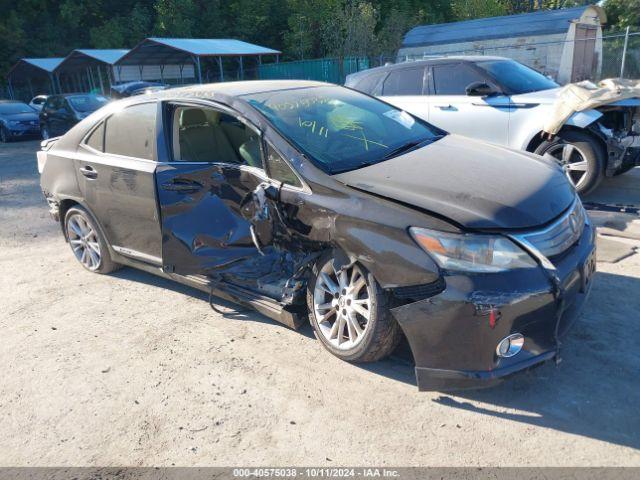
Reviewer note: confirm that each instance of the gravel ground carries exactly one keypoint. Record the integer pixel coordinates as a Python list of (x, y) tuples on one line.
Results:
[(129, 369)]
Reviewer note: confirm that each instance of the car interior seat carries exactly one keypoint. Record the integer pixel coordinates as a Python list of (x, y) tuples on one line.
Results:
[(200, 141)]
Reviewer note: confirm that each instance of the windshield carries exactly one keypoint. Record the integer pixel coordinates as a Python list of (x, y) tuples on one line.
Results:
[(517, 78), (87, 103), (340, 129), (12, 108)]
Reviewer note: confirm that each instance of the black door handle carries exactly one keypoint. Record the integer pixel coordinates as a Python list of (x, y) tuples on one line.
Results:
[(89, 172), (182, 186)]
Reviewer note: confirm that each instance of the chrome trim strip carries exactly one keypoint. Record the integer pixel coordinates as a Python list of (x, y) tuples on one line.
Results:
[(128, 252)]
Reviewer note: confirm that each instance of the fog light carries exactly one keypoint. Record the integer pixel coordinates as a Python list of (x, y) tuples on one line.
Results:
[(510, 345)]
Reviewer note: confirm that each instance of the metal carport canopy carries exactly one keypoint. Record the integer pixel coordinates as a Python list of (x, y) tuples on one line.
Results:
[(26, 70), (166, 51), (27, 67), (82, 58)]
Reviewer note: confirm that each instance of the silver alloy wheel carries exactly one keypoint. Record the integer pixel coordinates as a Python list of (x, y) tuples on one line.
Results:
[(45, 133), (573, 161), (342, 305), (84, 242)]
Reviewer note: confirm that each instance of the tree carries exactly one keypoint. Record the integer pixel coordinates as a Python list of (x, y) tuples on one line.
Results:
[(470, 9), (175, 18), (622, 13)]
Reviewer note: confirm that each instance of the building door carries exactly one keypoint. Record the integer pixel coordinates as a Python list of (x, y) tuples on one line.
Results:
[(584, 53)]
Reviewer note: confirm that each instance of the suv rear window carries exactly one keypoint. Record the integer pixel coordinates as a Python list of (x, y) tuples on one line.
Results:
[(404, 81), (131, 132), (369, 83)]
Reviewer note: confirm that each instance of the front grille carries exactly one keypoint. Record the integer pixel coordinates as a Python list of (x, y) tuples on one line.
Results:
[(559, 236)]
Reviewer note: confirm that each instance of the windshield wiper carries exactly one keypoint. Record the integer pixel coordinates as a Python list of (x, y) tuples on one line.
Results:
[(409, 146)]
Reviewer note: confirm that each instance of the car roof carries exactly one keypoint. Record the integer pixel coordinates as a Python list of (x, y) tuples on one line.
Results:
[(427, 61), (236, 89), (76, 94)]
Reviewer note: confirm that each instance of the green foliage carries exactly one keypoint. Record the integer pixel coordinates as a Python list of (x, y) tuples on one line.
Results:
[(622, 13), (302, 29), (470, 9)]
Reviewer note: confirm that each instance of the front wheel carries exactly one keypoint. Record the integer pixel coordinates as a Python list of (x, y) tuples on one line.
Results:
[(348, 312), (44, 132), (581, 157), (4, 137)]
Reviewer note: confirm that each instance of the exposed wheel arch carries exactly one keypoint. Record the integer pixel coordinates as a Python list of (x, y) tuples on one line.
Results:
[(539, 137), (63, 208)]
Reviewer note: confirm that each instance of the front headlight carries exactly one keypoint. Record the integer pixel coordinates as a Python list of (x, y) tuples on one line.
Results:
[(470, 252)]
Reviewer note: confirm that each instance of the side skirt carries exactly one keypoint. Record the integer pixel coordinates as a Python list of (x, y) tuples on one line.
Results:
[(285, 314)]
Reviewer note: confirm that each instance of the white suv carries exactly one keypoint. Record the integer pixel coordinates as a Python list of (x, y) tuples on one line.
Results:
[(504, 102)]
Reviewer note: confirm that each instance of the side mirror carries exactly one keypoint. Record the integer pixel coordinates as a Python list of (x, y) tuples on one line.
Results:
[(480, 89)]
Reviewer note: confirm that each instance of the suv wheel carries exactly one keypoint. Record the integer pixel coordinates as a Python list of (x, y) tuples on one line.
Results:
[(349, 314), (86, 241), (581, 157)]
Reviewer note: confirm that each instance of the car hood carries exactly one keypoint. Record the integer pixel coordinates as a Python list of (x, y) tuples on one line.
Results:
[(21, 116), (475, 184), (547, 97)]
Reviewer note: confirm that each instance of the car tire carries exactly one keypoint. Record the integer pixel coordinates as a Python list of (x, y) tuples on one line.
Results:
[(86, 241), (580, 155), (354, 295), (4, 136), (44, 133)]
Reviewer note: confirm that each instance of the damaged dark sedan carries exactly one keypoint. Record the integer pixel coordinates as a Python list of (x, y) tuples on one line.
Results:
[(314, 202)]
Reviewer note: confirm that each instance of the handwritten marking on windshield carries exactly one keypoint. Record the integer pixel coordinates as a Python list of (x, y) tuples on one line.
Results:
[(312, 124)]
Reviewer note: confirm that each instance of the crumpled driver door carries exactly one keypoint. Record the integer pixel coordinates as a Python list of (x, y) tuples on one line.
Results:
[(215, 218)]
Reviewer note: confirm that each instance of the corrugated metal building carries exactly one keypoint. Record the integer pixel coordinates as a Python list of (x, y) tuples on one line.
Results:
[(565, 44)]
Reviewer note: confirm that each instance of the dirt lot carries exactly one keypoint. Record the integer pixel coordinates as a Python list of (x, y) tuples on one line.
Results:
[(129, 369)]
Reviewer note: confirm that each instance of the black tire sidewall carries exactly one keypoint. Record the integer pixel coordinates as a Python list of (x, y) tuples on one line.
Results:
[(359, 352), (106, 264), (592, 150)]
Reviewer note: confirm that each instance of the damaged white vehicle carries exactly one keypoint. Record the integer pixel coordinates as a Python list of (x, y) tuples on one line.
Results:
[(504, 102)]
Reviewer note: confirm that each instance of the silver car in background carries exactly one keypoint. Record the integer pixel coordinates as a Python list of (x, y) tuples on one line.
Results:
[(502, 101)]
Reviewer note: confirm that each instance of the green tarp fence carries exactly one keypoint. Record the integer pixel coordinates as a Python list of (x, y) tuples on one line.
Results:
[(322, 69)]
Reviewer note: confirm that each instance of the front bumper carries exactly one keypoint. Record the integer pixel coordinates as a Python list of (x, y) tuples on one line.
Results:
[(30, 132), (453, 337)]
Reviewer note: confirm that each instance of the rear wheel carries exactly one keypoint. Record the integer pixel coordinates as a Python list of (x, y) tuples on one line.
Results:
[(581, 157), (87, 243), (348, 312)]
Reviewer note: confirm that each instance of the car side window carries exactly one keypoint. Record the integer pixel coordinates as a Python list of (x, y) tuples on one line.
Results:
[(202, 134), (404, 81), (131, 131), (51, 104), (96, 139), (279, 169), (453, 79), (369, 84)]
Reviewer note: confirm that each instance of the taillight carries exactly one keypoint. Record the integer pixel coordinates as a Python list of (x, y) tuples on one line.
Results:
[(42, 159)]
